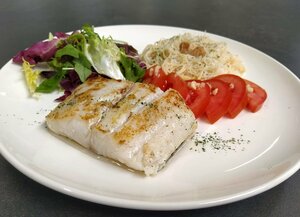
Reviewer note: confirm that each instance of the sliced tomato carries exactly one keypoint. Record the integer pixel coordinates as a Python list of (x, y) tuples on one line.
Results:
[(256, 96), (148, 76), (220, 99), (176, 83), (156, 76), (198, 98), (239, 93)]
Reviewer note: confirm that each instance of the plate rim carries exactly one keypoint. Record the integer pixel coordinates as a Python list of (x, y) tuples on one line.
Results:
[(144, 205)]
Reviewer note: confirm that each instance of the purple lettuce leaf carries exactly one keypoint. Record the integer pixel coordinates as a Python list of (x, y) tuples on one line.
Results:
[(41, 51), (128, 49), (70, 81), (61, 35), (63, 97), (131, 52)]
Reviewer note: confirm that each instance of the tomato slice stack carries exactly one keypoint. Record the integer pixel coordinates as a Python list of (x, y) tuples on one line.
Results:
[(225, 94)]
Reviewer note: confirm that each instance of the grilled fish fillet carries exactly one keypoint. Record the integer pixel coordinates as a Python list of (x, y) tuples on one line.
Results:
[(132, 123)]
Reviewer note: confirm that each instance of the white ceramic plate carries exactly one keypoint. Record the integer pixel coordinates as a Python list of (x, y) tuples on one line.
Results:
[(193, 178)]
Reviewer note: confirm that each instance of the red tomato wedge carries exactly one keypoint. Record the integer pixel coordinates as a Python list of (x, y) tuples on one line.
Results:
[(198, 99), (239, 93), (175, 82), (156, 76), (220, 99), (256, 96)]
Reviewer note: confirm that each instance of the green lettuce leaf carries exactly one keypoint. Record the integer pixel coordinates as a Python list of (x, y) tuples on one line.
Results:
[(82, 68), (130, 69), (68, 50), (51, 84), (102, 53)]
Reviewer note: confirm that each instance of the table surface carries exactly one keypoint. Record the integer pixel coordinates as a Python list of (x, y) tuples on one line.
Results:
[(272, 26)]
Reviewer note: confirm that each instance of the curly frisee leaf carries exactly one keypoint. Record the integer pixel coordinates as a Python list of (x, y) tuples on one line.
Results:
[(31, 76)]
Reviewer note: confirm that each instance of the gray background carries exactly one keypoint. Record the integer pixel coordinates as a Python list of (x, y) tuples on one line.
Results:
[(272, 26)]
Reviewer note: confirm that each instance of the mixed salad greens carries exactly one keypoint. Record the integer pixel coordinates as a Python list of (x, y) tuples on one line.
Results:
[(71, 59)]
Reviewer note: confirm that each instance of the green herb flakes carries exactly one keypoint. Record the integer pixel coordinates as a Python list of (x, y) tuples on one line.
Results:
[(214, 141)]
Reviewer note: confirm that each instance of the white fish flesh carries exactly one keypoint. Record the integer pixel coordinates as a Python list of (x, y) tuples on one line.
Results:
[(135, 124)]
